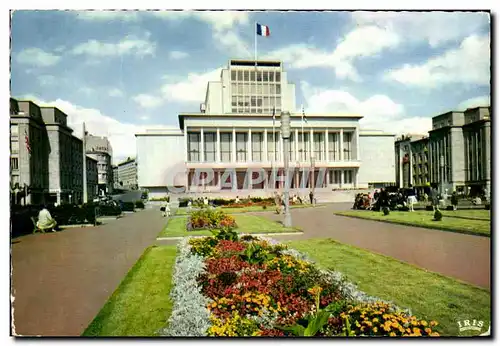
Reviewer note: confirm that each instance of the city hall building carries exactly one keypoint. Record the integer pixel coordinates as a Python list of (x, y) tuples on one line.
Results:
[(234, 143)]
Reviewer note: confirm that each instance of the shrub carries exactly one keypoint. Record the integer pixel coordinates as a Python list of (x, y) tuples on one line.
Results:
[(264, 207), (429, 208), (139, 204), (449, 207), (183, 202), (207, 218), (108, 210), (128, 206), (487, 206), (438, 215), (386, 210)]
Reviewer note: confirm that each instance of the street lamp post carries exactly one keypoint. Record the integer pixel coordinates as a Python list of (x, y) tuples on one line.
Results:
[(441, 165), (285, 133)]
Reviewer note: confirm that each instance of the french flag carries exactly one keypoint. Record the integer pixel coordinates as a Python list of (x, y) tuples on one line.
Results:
[(263, 30)]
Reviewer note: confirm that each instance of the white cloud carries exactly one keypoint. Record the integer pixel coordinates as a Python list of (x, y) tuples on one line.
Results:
[(130, 45), (86, 90), (474, 102), (37, 57), (121, 135), (436, 28), (103, 15), (148, 101), (361, 42), (190, 89), (232, 44), (468, 64), (378, 111), (115, 92), (46, 80), (219, 20), (177, 55), (144, 117)]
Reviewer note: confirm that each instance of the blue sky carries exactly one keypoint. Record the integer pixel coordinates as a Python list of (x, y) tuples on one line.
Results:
[(122, 72)]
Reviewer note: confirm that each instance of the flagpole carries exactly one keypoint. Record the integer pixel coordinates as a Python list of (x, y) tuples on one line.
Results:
[(85, 192), (255, 44)]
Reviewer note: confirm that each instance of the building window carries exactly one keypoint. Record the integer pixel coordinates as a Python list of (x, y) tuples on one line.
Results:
[(292, 147), (272, 145), (14, 130), (336, 177), (257, 147), (318, 146), (225, 146), (347, 145), (348, 176), (304, 146), (209, 147), (333, 147), (14, 163), (241, 147), (194, 147)]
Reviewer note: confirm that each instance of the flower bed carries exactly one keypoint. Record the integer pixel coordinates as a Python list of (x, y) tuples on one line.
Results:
[(208, 218), (252, 286)]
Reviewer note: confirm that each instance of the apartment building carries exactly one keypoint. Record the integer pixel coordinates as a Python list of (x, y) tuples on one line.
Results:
[(100, 149), (412, 161), (127, 174)]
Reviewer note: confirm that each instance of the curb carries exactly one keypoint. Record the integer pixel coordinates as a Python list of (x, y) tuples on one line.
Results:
[(419, 226)]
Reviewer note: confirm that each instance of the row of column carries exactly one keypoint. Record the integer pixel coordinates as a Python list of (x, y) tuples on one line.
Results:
[(265, 145), (296, 180)]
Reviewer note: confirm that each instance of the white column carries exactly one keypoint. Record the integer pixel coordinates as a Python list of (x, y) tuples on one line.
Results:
[(186, 144), (202, 146), (265, 158), (357, 144), (326, 145), (297, 138), (234, 145), (280, 146), (341, 178), (311, 143), (356, 174), (217, 142), (341, 139), (249, 146)]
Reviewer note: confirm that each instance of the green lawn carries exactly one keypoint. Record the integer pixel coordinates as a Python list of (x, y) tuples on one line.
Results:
[(478, 214), (425, 219), (184, 211), (176, 227), (429, 295), (141, 304)]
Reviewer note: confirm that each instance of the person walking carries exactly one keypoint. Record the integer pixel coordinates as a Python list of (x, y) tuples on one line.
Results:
[(434, 198), (454, 200), (411, 200), (311, 197)]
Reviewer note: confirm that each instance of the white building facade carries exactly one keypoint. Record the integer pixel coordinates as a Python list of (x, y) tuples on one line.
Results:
[(234, 143)]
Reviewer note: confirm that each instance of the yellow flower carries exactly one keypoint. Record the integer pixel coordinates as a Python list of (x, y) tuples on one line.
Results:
[(433, 323), (233, 307), (392, 334), (375, 320), (423, 323), (435, 334), (428, 330), (375, 329)]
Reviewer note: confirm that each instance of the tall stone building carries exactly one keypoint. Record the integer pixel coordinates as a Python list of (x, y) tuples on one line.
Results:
[(92, 180), (29, 147), (65, 158), (477, 144), (127, 174), (100, 149)]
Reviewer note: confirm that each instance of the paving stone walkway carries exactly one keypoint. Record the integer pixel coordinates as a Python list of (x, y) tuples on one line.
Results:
[(462, 256), (61, 280)]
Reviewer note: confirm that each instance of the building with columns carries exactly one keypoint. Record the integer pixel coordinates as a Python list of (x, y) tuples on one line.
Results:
[(234, 142)]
